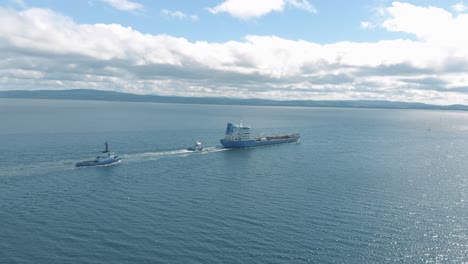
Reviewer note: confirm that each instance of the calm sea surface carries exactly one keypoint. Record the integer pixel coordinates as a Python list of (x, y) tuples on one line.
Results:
[(362, 186)]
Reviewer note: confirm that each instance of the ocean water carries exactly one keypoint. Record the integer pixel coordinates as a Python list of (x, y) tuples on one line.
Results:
[(362, 186)]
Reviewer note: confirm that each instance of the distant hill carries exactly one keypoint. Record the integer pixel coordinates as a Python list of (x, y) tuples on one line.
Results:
[(86, 94)]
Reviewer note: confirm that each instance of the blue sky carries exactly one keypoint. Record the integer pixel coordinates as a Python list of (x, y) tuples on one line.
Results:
[(334, 20), (277, 49)]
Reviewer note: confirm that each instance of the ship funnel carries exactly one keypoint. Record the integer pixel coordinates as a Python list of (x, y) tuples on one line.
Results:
[(229, 129)]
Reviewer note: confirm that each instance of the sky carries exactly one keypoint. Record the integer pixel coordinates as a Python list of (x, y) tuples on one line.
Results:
[(410, 51)]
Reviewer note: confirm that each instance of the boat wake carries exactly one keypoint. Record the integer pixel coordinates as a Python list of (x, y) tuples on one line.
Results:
[(38, 168), (139, 157), (66, 165)]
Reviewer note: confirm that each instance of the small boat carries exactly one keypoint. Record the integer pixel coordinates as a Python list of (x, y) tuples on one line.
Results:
[(197, 146), (238, 136), (107, 158)]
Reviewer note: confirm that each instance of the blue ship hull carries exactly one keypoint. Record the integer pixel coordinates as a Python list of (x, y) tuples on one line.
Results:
[(260, 141)]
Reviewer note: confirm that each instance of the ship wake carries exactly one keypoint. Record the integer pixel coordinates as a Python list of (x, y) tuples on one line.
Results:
[(68, 164), (178, 153)]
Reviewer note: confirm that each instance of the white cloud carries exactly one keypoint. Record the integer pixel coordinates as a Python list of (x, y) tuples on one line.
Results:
[(42, 49), (433, 25), (302, 4), (124, 5), (367, 25), (20, 3), (246, 9), (179, 15), (460, 7)]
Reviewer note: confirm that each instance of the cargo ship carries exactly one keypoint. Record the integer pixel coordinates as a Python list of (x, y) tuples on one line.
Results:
[(238, 136)]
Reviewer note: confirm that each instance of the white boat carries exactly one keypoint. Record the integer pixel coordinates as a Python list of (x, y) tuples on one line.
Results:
[(197, 146)]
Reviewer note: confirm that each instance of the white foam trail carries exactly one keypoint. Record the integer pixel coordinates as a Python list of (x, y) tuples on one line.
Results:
[(168, 153), (64, 165), (37, 168), (150, 155)]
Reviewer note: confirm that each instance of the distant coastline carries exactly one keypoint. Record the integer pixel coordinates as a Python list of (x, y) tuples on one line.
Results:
[(99, 95)]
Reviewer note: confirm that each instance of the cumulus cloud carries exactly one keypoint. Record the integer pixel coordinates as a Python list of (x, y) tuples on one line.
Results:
[(42, 49), (179, 15), (246, 9), (432, 22), (124, 5), (460, 7)]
